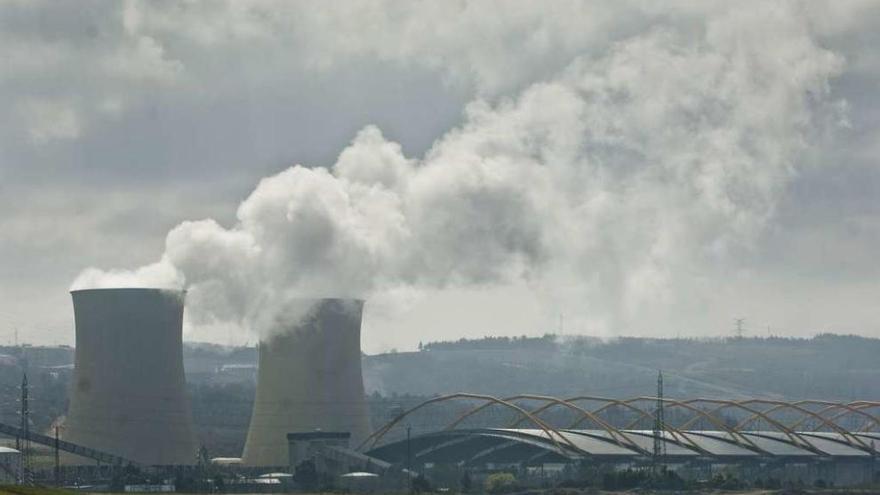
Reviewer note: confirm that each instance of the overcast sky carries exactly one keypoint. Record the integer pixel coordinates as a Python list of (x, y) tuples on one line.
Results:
[(652, 170)]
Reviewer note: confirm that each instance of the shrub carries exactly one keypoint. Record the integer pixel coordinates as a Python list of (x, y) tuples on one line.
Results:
[(500, 483)]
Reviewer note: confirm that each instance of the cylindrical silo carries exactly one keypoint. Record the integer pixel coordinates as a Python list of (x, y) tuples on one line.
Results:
[(309, 379), (128, 395)]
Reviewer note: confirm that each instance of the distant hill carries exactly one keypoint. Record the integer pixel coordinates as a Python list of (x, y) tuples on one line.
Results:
[(828, 366), (838, 367)]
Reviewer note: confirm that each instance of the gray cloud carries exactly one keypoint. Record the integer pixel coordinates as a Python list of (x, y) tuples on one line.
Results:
[(699, 142)]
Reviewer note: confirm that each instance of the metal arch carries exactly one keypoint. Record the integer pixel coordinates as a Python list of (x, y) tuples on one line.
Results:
[(722, 404), (467, 436), (548, 430), (832, 406), (459, 437), (616, 435), (867, 404), (531, 460), (777, 405), (442, 445), (507, 443), (541, 451), (715, 421), (584, 417), (495, 448), (792, 435), (827, 417), (737, 437), (856, 407), (677, 435)]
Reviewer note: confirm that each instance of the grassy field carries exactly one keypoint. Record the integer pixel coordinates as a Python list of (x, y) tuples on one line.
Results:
[(32, 490)]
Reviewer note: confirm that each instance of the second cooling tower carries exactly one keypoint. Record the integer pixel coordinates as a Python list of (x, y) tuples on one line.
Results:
[(128, 395), (309, 379)]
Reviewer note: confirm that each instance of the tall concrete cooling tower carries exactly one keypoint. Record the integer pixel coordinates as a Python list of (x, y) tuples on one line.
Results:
[(309, 378), (128, 394)]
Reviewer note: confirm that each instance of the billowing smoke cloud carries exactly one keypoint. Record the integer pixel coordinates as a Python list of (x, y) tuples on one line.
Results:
[(618, 182), (161, 274)]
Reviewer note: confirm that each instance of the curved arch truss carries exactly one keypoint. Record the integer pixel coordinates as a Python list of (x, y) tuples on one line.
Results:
[(590, 426)]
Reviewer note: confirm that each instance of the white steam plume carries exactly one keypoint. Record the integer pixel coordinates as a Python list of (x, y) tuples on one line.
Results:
[(620, 180)]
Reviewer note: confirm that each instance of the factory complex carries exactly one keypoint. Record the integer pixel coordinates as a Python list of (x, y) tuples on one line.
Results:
[(129, 409)]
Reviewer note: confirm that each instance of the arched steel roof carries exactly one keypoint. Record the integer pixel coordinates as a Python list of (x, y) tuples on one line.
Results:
[(727, 439), (517, 445)]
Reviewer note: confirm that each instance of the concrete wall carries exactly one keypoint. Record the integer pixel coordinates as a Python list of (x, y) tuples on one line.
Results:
[(309, 378), (128, 392)]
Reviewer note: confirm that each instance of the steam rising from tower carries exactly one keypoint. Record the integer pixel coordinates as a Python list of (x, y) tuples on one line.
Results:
[(625, 183), (128, 395), (309, 378)]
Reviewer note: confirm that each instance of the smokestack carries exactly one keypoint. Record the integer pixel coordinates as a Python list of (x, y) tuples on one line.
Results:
[(128, 394), (309, 379)]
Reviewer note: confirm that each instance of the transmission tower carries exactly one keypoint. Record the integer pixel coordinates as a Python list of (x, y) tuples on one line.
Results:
[(25, 443), (659, 452), (57, 460), (739, 330)]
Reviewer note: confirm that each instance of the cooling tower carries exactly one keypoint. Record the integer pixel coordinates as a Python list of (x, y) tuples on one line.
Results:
[(128, 395), (309, 379)]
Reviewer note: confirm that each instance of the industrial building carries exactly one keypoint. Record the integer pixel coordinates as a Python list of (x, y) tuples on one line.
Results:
[(128, 395), (803, 441), (769, 453), (128, 404), (10, 465)]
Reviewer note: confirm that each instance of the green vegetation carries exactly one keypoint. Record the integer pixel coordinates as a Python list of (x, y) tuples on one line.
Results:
[(545, 342), (501, 483)]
